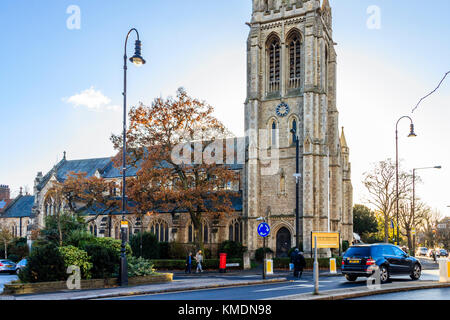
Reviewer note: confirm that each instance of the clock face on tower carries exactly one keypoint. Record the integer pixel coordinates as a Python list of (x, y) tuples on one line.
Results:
[(282, 109)]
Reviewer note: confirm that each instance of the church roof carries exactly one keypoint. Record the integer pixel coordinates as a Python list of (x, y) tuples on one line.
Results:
[(19, 207), (104, 166)]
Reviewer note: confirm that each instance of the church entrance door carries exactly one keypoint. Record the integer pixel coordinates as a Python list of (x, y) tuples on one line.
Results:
[(283, 242)]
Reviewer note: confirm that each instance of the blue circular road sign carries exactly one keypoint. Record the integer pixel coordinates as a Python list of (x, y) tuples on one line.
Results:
[(263, 229)]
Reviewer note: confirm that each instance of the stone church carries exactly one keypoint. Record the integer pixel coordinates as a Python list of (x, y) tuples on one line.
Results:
[(291, 90), (291, 94)]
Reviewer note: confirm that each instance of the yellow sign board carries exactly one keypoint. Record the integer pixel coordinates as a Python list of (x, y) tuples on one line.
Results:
[(124, 224), (326, 240)]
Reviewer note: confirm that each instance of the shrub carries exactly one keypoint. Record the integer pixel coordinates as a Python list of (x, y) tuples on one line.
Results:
[(14, 258), (68, 222), (164, 250), (139, 267), (259, 254), (105, 260), (113, 244), (178, 251), (345, 245), (79, 238), (18, 249), (233, 249), (44, 264), (150, 248), (76, 257)]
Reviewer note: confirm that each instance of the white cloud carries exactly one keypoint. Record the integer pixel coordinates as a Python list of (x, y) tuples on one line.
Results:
[(92, 99)]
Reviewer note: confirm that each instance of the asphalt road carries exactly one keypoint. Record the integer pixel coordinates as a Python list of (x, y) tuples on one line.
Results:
[(257, 292)]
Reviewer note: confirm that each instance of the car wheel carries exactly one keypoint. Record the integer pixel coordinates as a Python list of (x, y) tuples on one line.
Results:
[(384, 274), (350, 277), (417, 271)]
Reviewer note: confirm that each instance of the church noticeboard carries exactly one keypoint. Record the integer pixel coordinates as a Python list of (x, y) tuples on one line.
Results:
[(326, 240)]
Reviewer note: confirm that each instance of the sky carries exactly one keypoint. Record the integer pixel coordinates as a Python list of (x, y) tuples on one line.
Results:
[(61, 78)]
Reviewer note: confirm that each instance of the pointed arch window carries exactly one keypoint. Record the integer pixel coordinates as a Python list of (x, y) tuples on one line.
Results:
[(190, 234), (294, 46), (293, 129), (161, 230), (235, 230), (274, 60)]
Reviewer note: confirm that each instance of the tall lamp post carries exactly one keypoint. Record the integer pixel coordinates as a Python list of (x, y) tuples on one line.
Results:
[(138, 61), (414, 203), (411, 134), (297, 176)]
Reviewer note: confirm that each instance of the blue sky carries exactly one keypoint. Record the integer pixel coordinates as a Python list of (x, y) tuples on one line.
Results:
[(201, 45)]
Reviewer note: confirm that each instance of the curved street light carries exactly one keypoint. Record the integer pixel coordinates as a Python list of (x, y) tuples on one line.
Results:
[(412, 134), (137, 60)]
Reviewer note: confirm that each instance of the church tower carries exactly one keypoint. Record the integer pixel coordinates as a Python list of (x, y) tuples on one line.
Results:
[(291, 87)]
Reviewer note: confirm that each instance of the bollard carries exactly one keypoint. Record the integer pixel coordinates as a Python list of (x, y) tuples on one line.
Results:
[(269, 267), (444, 270), (333, 269)]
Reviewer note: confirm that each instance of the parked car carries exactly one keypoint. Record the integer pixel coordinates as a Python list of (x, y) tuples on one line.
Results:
[(422, 251), (443, 253), (362, 260), (7, 266), (20, 265)]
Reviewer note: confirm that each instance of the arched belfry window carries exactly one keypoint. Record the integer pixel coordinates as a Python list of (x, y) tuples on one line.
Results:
[(274, 64), (294, 48), (293, 130), (273, 133)]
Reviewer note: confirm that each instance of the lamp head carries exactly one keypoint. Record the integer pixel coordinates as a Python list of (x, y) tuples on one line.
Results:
[(412, 134), (137, 58)]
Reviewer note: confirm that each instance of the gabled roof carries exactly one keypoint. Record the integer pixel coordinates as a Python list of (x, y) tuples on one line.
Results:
[(19, 207)]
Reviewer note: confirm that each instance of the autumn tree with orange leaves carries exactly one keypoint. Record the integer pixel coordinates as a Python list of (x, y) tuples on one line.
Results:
[(79, 194), (178, 146)]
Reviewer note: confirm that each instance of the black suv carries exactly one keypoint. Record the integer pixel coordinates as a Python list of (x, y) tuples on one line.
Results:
[(361, 261)]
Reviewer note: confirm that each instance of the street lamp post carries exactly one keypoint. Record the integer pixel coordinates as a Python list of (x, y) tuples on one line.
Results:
[(138, 61), (297, 176), (411, 134), (414, 203)]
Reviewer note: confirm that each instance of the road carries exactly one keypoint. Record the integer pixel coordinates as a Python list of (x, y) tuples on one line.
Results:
[(257, 292)]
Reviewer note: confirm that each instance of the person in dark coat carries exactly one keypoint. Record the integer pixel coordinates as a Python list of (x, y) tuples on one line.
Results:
[(301, 262), (188, 263), (296, 259)]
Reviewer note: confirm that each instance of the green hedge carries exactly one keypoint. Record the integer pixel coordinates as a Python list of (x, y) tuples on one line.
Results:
[(283, 263), (208, 264)]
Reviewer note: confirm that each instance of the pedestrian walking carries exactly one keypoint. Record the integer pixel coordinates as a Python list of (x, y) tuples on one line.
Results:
[(294, 255), (199, 259), (188, 263), (299, 262)]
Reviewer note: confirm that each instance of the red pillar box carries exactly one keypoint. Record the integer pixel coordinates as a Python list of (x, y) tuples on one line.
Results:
[(223, 263)]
